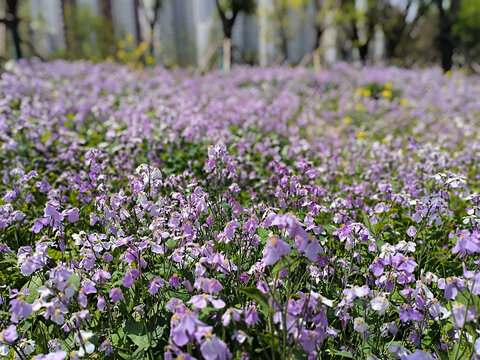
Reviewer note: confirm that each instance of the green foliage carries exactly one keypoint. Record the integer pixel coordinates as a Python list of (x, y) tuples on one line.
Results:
[(89, 36), (236, 6), (467, 26)]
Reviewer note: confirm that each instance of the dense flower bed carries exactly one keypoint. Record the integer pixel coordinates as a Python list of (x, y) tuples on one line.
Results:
[(265, 214)]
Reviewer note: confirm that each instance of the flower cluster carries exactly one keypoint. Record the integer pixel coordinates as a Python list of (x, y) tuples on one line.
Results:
[(263, 214)]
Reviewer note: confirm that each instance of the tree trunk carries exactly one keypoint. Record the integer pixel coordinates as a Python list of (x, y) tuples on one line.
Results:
[(446, 48), (318, 36), (227, 54), (67, 8), (12, 21), (16, 38), (138, 31), (284, 43), (151, 46), (446, 41), (362, 48), (227, 25)]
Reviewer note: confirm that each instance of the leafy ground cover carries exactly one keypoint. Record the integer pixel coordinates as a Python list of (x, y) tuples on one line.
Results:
[(265, 214)]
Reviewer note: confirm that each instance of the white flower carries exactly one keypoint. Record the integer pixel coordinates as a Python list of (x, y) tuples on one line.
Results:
[(380, 304), (27, 346), (85, 345), (4, 350), (360, 325)]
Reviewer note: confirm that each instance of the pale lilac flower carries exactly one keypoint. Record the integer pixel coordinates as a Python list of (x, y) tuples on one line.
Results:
[(201, 301), (215, 349), (154, 285), (101, 303), (412, 231), (9, 335), (380, 304), (116, 295), (274, 250), (360, 325)]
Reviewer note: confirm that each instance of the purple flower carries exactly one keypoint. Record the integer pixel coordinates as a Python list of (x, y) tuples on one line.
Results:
[(72, 215), (174, 281), (101, 276), (210, 286), (458, 312), (20, 308), (405, 263), (101, 303), (378, 266), (308, 246), (227, 316), (274, 250), (214, 349), (412, 231), (467, 243), (30, 265), (251, 316), (155, 284), (53, 213), (451, 285), (201, 301), (58, 355), (116, 295), (128, 280), (39, 224), (9, 335), (408, 313), (107, 346), (183, 326)]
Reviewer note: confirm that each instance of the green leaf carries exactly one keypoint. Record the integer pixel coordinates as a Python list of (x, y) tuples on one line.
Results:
[(74, 280), (264, 234), (170, 243), (329, 229), (285, 262), (253, 293), (140, 340), (33, 285), (54, 254), (226, 206), (344, 354)]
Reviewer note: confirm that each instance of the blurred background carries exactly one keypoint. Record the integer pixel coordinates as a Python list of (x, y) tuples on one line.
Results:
[(213, 34)]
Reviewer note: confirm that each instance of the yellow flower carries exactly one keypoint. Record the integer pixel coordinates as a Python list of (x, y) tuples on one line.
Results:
[(142, 46), (387, 94), (122, 44), (388, 86), (361, 135), (364, 92), (404, 102), (150, 60), (384, 140), (121, 54), (129, 37), (360, 107), (449, 74), (347, 120)]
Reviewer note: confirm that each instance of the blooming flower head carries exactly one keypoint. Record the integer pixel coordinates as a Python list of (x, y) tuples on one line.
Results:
[(214, 349), (81, 338), (9, 335), (380, 304), (116, 295), (274, 250), (360, 325)]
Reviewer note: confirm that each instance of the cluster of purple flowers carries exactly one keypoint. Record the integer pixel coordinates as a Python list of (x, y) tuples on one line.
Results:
[(269, 213)]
